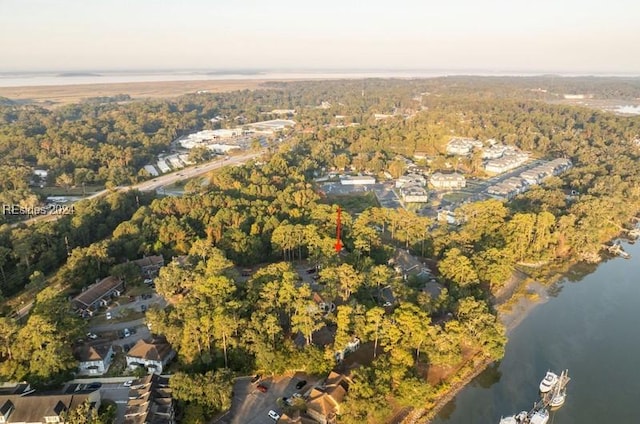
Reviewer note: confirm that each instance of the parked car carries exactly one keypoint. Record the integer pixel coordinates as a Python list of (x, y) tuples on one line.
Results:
[(274, 415), (92, 336), (143, 308), (127, 383), (147, 296), (108, 315), (262, 388), (301, 384), (256, 378), (94, 386), (126, 333)]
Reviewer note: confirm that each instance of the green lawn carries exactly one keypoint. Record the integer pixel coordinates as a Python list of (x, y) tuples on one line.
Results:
[(353, 203)]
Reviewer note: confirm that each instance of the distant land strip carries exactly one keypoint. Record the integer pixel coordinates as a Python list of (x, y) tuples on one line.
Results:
[(52, 95)]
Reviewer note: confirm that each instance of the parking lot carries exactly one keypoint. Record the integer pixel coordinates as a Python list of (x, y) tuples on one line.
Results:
[(251, 406)]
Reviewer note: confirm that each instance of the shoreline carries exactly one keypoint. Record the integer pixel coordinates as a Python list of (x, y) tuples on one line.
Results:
[(521, 288)]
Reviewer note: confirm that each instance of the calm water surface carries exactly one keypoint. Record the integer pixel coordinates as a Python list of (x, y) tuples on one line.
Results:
[(591, 326)]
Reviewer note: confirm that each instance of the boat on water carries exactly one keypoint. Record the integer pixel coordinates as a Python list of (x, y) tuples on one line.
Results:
[(539, 416), (548, 382), (559, 394), (520, 418), (558, 399)]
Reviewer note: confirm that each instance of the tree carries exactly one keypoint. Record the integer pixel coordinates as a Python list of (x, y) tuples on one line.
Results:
[(65, 180), (373, 326), (4, 258), (8, 330), (83, 414), (458, 268)]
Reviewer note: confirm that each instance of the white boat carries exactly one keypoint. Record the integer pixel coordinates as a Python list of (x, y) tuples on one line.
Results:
[(558, 399), (559, 394), (520, 418), (540, 416), (548, 382)]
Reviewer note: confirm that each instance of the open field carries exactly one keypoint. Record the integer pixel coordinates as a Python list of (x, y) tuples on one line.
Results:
[(53, 95)]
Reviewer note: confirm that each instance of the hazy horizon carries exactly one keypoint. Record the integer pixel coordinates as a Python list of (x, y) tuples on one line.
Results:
[(585, 37)]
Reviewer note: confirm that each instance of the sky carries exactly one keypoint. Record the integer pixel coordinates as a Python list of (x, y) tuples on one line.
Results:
[(570, 36)]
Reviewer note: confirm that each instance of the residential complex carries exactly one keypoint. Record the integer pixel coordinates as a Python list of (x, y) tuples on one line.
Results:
[(513, 186), (20, 404), (97, 294), (448, 181), (462, 146), (150, 401)]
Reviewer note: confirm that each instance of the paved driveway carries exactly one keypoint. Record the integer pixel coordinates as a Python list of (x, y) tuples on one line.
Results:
[(250, 406), (119, 394)]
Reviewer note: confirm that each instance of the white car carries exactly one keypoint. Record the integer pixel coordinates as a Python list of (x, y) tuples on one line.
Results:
[(92, 336), (127, 383), (108, 315), (274, 415)]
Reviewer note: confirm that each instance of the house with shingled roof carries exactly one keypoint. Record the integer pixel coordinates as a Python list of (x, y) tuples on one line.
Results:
[(150, 401), (324, 404), (90, 298), (154, 355), (93, 360)]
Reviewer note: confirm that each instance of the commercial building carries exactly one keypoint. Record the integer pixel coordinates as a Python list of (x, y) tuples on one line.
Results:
[(357, 180)]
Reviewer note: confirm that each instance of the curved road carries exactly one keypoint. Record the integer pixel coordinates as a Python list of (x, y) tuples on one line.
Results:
[(163, 180)]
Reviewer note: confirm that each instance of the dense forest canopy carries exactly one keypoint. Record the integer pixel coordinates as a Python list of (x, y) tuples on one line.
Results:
[(270, 215)]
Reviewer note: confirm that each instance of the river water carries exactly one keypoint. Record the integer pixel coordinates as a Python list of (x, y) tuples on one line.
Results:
[(591, 327)]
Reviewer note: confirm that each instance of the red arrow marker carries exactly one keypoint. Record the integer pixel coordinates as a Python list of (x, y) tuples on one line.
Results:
[(338, 245)]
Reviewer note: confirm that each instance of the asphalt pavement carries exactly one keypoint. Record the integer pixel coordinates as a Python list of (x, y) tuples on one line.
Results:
[(119, 394)]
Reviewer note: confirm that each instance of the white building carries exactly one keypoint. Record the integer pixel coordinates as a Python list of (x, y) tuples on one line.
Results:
[(357, 180), (151, 170), (493, 152), (414, 193), (448, 181), (94, 360), (153, 355), (462, 146), (222, 148), (175, 162), (411, 179), (162, 166), (506, 163)]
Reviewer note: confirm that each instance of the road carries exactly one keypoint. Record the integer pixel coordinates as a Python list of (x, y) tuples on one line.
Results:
[(119, 394), (161, 181)]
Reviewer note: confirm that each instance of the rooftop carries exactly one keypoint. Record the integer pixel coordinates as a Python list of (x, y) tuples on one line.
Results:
[(155, 350), (97, 291)]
